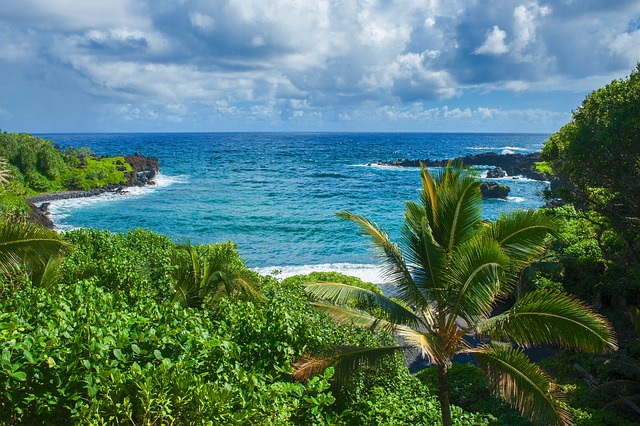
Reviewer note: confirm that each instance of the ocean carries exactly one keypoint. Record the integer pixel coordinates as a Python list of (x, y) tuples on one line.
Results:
[(276, 194)]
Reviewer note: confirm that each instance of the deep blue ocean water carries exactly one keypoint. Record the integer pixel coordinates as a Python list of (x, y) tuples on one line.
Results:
[(275, 194)]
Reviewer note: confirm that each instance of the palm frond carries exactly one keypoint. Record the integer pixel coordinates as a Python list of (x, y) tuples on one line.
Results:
[(344, 360), (355, 317), (426, 258), (429, 196), (5, 171), (48, 274), (522, 234), (546, 317), (27, 242), (522, 384), (220, 283), (187, 288), (431, 347), (473, 278), (342, 294), (459, 207), (394, 269)]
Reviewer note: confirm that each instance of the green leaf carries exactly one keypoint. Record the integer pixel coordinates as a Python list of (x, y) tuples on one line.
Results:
[(135, 348), (20, 376), (119, 356)]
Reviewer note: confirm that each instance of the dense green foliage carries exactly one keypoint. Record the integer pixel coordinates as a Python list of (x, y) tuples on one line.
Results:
[(588, 259), (108, 344), (596, 157), (30, 165)]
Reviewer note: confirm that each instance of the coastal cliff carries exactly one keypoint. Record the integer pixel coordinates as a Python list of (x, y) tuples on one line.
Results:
[(144, 170)]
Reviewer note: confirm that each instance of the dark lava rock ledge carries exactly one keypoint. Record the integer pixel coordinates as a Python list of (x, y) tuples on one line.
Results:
[(512, 164)]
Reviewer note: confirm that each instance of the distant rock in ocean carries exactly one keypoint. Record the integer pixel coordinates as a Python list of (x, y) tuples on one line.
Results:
[(496, 173), (494, 190), (511, 164)]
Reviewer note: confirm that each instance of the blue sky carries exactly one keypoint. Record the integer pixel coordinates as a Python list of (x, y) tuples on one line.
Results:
[(308, 65)]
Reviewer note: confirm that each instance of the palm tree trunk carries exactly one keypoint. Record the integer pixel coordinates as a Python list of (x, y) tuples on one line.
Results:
[(443, 394)]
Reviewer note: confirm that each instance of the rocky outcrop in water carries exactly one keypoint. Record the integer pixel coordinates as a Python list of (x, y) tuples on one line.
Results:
[(494, 190), (512, 164), (144, 169), (496, 173)]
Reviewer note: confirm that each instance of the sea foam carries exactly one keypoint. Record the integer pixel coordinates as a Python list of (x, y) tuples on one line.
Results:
[(366, 272), (59, 209)]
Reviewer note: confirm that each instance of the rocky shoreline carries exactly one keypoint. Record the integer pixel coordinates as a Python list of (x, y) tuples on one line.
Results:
[(144, 171), (504, 164), (512, 164)]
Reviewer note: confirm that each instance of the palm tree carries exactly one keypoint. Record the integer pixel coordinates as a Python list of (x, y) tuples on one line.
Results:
[(198, 278), (451, 269)]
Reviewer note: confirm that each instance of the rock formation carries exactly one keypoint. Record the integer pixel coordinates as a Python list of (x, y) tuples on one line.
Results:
[(512, 164), (493, 190)]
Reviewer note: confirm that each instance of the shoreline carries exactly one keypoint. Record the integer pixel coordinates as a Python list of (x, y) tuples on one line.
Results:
[(143, 173), (39, 204)]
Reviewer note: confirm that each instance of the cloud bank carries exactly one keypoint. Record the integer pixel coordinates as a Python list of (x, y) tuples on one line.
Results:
[(196, 65)]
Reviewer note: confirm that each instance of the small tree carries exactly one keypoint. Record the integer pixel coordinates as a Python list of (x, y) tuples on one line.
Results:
[(449, 270)]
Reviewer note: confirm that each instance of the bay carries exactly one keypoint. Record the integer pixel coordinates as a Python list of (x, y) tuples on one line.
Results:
[(276, 194)]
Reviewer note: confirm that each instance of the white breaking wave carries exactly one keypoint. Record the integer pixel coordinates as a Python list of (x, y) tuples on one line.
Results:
[(386, 167), (366, 272), (163, 181), (60, 209), (516, 199), (496, 148)]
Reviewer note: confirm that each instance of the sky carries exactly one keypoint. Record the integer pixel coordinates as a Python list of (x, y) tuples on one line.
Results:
[(308, 65)]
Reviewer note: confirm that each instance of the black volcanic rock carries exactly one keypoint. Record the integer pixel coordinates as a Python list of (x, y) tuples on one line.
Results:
[(493, 190), (496, 173), (144, 170), (512, 164)]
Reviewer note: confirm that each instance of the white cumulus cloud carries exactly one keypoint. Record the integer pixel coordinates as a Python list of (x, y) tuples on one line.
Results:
[(494, 43)]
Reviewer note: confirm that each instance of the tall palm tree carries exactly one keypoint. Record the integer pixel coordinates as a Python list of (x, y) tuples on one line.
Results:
[(198, 278), (451, 269)]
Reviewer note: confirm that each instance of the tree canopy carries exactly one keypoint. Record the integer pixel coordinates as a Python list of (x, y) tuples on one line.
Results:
[(596, 156)]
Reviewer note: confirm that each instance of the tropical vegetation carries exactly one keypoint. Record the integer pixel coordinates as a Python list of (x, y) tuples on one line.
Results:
[(450, 269), (31, 165)]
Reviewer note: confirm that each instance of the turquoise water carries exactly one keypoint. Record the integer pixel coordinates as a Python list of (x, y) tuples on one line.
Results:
[(275, 195)]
